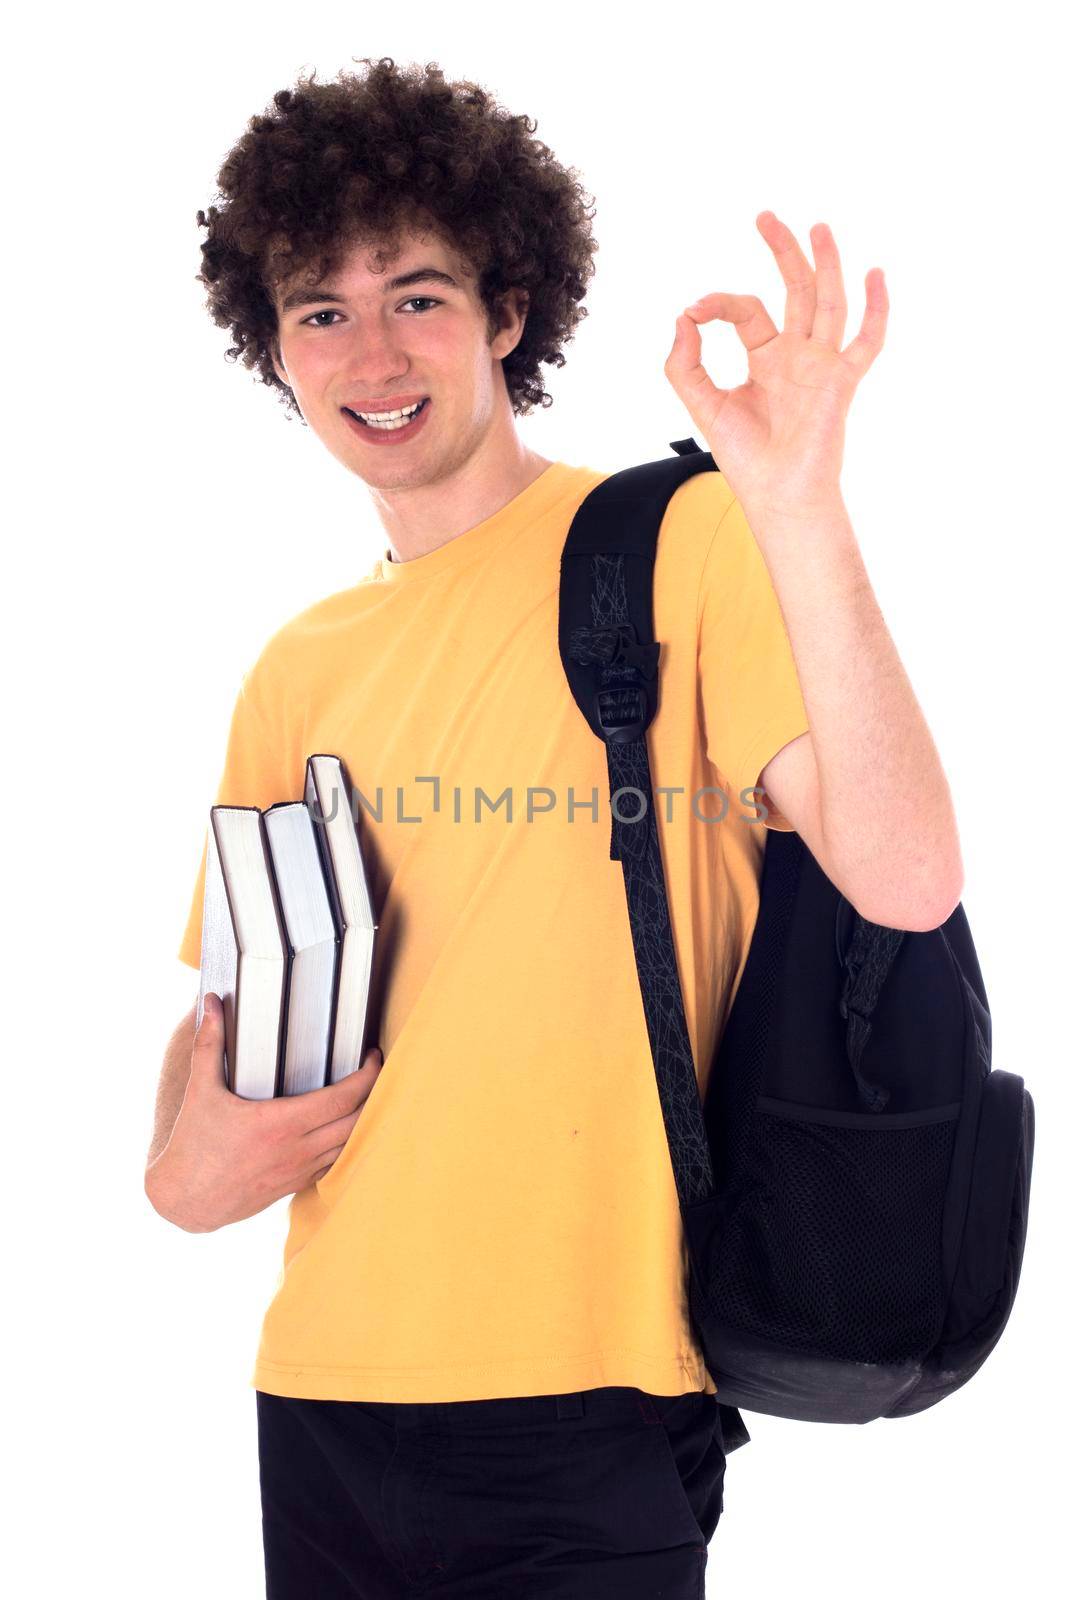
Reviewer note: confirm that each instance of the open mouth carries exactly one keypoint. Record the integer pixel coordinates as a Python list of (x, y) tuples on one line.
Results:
[(393, 426)]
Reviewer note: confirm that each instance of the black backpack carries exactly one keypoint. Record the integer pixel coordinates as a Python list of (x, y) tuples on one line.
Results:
[(855, 1187)]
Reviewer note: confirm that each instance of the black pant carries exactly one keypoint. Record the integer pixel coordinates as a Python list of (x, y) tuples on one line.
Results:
[(605, 1492)]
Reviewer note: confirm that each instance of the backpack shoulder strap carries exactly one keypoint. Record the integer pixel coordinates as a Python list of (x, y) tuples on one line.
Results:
[(611, 659), (606, 637)]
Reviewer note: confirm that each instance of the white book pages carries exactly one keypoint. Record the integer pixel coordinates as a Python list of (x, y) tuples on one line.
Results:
[(314, 945), (328, 798), (243, 958)]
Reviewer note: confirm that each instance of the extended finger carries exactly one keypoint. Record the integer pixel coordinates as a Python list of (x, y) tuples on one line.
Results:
[(798, 274), (831, 308), (871, 337), (746, 311)]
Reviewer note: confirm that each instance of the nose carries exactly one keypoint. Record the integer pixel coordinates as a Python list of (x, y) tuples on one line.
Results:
[(378, 361)]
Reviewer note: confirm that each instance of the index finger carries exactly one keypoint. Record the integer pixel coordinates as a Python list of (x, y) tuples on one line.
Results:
[(320, 1106)]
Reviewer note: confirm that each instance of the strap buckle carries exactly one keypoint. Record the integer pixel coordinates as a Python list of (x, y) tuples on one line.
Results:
[(613, 646), (645, 657), (627, 671), (622, 713)]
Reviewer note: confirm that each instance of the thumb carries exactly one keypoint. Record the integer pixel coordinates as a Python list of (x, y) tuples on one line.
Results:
[(684, 368), (208, 1062)]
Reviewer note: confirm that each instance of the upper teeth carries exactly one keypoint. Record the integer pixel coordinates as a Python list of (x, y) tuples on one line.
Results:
[(388, 416)]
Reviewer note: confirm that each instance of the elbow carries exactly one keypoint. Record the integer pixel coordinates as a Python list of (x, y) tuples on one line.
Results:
[(944, 909), (918, 912)]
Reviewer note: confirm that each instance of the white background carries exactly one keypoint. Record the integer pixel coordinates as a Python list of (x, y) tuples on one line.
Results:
[(165, 519)]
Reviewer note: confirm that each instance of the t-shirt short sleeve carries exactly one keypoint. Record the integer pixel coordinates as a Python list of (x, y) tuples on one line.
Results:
[(254, 773), (750, 696)]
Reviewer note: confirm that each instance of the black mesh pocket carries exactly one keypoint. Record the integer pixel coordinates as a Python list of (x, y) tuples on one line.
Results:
[(834, 1246)]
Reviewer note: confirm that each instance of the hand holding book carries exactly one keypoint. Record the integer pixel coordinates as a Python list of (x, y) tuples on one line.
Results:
[(228, 1158)]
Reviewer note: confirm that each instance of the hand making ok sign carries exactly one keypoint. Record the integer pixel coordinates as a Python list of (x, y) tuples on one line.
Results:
[(779, 437)]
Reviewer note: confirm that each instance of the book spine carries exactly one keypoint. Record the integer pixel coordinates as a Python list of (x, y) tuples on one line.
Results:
[(313, 800), (283, 1018)]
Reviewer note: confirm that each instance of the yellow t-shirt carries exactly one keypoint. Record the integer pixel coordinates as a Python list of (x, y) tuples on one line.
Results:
[(503, 1219)]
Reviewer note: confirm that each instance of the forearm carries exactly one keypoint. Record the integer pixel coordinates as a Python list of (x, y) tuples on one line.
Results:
[(172, 1083), (887, 816)]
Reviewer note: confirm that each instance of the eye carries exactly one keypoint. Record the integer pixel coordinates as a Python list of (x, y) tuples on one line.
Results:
[(313, 322)]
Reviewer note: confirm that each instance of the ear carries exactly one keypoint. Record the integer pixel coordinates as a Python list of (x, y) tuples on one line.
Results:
[(513, 309), (276, 362)]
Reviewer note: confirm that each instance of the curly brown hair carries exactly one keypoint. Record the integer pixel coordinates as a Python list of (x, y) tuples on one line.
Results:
[(365, 159)]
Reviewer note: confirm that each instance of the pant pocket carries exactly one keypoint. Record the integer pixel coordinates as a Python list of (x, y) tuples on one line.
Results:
[(689, 1430)]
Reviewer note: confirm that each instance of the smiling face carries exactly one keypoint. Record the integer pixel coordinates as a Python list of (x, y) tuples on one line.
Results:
[(376, 341)]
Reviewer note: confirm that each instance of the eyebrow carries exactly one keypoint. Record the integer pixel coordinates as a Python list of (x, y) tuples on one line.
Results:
[(315, 295)]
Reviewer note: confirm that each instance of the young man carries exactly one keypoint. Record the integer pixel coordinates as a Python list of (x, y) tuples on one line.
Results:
[(477, 1373)]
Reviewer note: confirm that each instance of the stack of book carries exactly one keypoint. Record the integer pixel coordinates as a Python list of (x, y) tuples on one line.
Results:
[(288, 936)]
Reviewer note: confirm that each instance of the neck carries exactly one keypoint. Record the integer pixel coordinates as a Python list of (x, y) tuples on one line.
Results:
[(422, 518)]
